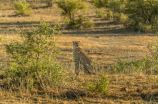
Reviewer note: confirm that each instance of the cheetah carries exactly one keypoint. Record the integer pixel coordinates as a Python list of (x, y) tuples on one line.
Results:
[(81, 58)]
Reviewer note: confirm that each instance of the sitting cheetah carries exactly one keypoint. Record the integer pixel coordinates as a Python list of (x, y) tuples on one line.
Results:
[(80, 58)]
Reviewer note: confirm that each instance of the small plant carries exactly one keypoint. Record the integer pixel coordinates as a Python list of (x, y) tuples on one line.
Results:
[(1, 40), (22, 8), (100, 86), (33, 58)]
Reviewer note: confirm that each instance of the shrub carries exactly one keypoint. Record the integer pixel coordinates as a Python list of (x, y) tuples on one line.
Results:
[(22, 8), (70, 8), (81, 22), (140, 13), (120, 17), (117, 6), (100, 86), (88, 24), (100, 3), (33, 58), (113, 8), (101, 13)]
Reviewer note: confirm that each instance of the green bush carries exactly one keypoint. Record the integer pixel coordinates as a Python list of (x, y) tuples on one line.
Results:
[(100, 3), (88, 24), (113, 8), (140, 13), (117, 6), (101, 14), (100, 86), (33, 58), (70, 8), (81, 22), (120, 17), (22, 8)]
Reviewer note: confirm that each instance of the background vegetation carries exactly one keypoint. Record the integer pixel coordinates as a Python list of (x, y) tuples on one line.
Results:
[(135, 14)]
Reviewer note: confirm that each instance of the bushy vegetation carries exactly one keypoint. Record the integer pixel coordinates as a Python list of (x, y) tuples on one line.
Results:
[(100, 86), (81, 22), (101, 14), (33, 58), (100, 3), (135, 14), (69, 9), (22, 8), (142, 14)]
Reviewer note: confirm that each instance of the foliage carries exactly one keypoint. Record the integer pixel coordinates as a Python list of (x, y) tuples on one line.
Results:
[(22, 8), (139, 15), (88, 23), (117, 6), (100, 3), (81, 22), (1, 40), (142, 14), (113, 9), (100, 86), (120, 17), (33, 58), (70, 8), (101, 13)]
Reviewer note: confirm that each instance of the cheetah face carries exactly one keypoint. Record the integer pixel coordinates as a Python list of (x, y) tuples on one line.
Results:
[(76, 44)]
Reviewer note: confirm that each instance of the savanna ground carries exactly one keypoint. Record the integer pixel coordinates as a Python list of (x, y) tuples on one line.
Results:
[(104, 43)]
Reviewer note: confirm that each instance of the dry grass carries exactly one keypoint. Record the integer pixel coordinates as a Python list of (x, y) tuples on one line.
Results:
[(105, 43)]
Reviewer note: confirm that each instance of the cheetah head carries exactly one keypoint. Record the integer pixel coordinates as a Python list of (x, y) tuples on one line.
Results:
[(76, 44)]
